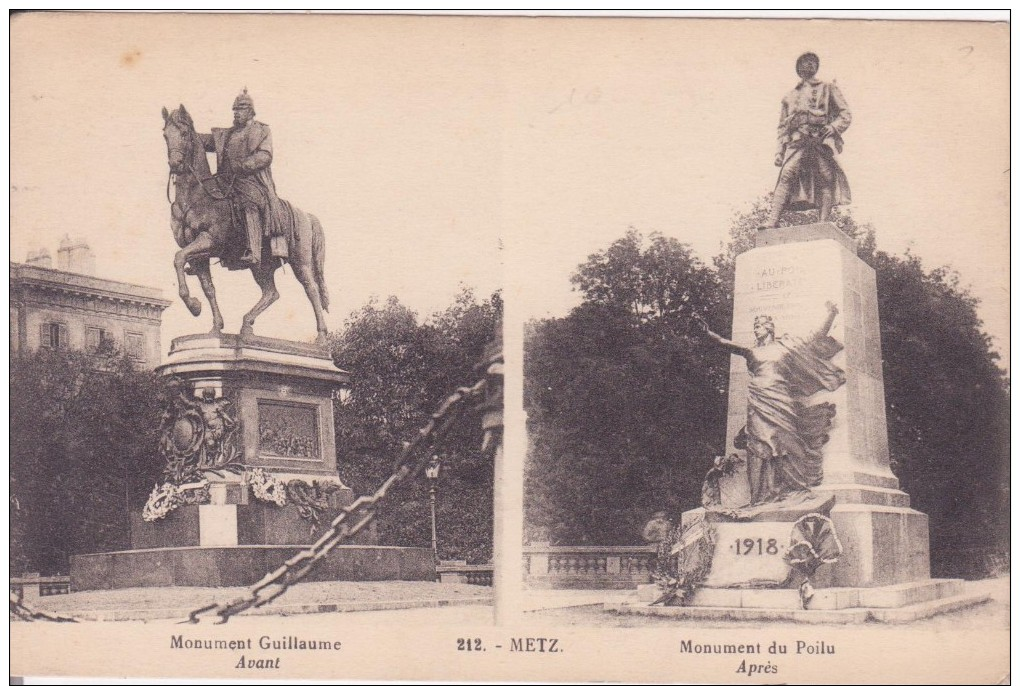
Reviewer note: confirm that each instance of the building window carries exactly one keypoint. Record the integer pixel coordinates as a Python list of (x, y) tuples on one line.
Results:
[(98, 339), (136, 345), (53, 335)]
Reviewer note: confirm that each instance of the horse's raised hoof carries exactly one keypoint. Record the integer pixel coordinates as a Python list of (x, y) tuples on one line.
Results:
[(194, 306)]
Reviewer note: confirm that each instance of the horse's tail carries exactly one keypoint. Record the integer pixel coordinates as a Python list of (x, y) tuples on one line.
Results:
[(319, 261)]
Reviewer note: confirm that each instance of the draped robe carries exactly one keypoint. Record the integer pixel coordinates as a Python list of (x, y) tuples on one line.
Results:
[(783, 437)]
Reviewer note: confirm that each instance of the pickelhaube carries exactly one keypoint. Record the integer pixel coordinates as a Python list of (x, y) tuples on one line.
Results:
[(244, 100)]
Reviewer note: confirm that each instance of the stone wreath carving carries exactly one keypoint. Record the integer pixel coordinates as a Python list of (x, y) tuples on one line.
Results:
[(310, 499)]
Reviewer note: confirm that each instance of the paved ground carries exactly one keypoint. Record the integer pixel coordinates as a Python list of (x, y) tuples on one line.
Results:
[(582, 608), (305, 598), (413, 600), (534, 601), (408, 620)]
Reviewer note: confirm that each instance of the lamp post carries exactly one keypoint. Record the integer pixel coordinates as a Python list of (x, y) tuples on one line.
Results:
[(432, 474)]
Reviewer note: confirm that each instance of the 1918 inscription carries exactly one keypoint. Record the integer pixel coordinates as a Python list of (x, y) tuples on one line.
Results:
[(756, 546)]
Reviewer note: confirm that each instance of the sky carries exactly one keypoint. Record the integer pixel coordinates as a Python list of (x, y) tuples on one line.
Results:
[(670, 126), (441, 152), (376, 131)]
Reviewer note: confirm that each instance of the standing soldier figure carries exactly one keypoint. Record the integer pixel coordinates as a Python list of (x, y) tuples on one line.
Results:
[(244, 153), (813, 119)]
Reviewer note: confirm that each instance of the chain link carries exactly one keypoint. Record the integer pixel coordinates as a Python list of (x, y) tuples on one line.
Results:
[(20, 611), (412, 460)]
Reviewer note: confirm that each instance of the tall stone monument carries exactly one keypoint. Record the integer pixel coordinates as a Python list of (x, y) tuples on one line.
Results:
[(802, 516), (789, 276)]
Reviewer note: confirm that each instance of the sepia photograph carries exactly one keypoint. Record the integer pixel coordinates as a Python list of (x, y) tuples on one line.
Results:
[(766, 371), (255, 327), (637, 349)]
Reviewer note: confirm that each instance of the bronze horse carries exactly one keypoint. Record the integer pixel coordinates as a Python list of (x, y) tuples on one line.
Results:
[(200, 216)]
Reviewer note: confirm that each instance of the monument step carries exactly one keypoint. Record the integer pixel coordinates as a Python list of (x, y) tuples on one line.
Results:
[(243, 565), (931, 608), (846, 615), (856, 494), (882, 597), (910, 593), (742, 614)]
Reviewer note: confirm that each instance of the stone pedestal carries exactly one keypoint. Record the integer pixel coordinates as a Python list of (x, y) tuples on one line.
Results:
[(280, 395), (243, 565), (282, 391), (259, 403), (789, 275)]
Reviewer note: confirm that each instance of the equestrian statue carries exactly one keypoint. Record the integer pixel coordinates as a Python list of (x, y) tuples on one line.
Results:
[(236, 215)]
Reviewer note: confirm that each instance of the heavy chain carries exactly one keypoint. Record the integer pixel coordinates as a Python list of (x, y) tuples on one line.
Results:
[(412, 460), (20, 611)]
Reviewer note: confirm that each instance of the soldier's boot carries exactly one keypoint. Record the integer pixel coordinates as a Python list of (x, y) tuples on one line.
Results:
[(253, 226), (779, 200)]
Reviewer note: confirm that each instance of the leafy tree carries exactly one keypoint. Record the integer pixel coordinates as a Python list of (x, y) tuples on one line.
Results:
[(401, 369), (659, 284), (947, 407), (83, 439), (620, 398)]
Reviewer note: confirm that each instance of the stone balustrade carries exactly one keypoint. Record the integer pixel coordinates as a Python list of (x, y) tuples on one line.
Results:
[(33, 586), (457, 572), (618, 566)]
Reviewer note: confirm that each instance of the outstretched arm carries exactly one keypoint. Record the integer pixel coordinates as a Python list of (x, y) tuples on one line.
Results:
[(823, 330), (724, 342)]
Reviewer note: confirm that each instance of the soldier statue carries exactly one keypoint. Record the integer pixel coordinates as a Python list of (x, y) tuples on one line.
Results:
[(244, 154), (813, 119)]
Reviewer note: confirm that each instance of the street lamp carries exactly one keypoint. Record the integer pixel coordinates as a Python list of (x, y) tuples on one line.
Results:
[(432, 474)]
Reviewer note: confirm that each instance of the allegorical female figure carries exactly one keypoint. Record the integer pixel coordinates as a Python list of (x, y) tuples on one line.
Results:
[(784, 436)]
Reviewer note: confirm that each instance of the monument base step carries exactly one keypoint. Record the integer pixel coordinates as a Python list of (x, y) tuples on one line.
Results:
[(741, 614), (894, 596), (854, 615), (931, 608), (897, 603), (243, 565)]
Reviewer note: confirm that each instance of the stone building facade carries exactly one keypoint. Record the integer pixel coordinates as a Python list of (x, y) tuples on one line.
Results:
[(69, 307)]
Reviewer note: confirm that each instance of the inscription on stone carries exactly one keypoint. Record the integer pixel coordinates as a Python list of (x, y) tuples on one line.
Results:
[(750, 554), (775, 278), (288, 430)]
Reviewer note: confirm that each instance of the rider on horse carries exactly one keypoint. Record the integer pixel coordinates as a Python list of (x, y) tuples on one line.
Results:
[(244, 154)]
